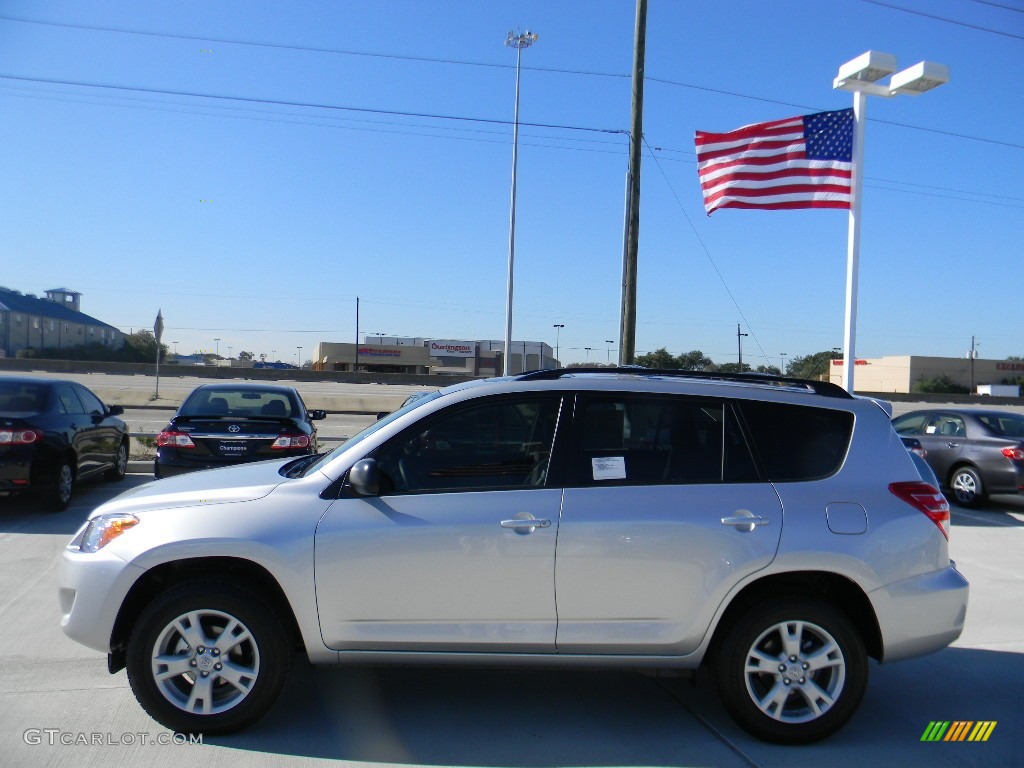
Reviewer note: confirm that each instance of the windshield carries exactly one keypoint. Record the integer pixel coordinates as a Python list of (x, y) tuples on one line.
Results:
[(407, 406)]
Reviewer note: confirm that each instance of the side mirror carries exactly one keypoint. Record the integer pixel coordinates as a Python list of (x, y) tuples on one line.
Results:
[(316, 415), (115, 410), (364, 478)]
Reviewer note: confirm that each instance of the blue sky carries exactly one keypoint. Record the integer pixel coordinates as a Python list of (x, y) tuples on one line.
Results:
[(259, 217)]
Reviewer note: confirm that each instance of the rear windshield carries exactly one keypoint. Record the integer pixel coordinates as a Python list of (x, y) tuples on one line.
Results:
[(796, 442), (19, 397), (239, 403)]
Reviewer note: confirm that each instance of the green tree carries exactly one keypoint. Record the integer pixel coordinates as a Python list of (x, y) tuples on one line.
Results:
[(246, 356), (661, 359), (141, 347), (695, 360), (813, 366)]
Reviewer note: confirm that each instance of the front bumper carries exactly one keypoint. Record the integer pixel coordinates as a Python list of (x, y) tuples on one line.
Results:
[(922, 614), (92, 587)]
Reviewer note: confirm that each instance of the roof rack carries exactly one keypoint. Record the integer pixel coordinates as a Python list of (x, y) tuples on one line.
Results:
[(824, 388)]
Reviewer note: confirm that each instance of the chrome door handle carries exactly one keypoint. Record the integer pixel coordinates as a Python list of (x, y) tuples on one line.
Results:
[(745, 520), (525, 525), (952, 445)]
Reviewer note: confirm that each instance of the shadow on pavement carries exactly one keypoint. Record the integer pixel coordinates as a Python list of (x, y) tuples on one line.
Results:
[(488, 717)]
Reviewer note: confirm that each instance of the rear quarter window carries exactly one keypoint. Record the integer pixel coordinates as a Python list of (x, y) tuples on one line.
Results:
[(796, 442)]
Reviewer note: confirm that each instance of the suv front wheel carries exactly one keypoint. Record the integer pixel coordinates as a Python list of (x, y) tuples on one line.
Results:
[(792, 671), (207, 657)]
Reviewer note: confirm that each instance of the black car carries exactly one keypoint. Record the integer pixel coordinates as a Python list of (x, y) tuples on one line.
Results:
[(974, 453), (223, 424), (55, 433)]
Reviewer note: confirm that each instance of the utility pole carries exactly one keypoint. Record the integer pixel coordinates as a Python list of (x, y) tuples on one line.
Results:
[(356, 367), (739, 345), (627, 333)]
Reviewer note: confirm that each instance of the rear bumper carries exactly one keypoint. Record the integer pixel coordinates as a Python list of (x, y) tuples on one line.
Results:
[(922, 614)]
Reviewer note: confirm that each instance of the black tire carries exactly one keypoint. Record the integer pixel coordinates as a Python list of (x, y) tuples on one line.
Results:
[(204, 610), (55, 496), (816, 702), (117, 472), (966, 488)]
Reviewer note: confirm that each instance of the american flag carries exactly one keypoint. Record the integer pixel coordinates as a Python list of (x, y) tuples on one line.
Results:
[(800, 162)]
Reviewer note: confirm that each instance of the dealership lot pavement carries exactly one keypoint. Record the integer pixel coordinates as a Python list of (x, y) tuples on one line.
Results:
[(58, 705)]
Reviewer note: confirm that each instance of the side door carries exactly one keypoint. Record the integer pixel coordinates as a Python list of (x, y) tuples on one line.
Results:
[(945, 439), (105, 436), (654, 531), (78, 428), (457, 552)]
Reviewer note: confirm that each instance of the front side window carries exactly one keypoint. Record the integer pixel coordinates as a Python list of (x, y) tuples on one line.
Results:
[(501, 443), (642, 439), (90, 401)]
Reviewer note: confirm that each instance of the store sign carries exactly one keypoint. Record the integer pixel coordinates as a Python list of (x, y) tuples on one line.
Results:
[(379, 352), (855, 362), (452, 349)]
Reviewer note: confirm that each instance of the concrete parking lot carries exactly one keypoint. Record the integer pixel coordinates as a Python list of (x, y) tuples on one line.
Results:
[(58, 705)]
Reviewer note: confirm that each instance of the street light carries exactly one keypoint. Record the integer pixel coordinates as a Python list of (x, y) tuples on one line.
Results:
[(608, 357), (300, 356), (218, 347), (861, 76), (782, 356), (519, 42), (588, 353), (558, 327)]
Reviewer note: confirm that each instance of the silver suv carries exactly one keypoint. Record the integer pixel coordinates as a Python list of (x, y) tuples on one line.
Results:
[(773, 530)]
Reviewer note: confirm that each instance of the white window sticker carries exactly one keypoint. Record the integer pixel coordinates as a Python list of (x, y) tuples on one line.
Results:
[(930, 429), (609, 467)]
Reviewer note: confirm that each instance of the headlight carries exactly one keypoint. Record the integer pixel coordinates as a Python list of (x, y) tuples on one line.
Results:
[(102, 530)]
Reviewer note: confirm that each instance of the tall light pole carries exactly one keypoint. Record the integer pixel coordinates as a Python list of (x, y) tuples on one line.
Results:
[(519, 42), (861, 76), (739, 346), (299, 356), (782, 357), (558, 327), (608, 357), (218, 346), (588, 353)]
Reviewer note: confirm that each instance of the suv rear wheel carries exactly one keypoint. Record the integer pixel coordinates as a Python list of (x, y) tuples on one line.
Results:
[(792, 671), (207, 657)]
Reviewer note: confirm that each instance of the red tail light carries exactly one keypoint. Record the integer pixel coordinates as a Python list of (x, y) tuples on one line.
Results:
[(926, 499), (19, 436), (174, 439), (1013, 453), (284, 442)]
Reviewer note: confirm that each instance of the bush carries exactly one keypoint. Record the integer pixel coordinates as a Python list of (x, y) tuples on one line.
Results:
[(940, 385)]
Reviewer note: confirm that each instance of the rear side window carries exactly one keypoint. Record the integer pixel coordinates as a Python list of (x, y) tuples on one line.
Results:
[(624, 439), (796, 442)]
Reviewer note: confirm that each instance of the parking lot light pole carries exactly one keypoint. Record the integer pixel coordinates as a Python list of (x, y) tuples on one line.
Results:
[(520, 41), (861, 76), (558, 327), (608, 357)]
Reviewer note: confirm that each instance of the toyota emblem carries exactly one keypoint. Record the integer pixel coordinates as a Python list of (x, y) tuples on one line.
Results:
[(234, 428)]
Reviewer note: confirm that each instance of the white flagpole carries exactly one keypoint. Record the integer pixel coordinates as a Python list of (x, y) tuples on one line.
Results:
[(853, 242)]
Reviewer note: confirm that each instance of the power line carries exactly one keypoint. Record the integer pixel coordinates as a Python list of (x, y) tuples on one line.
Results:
[(307, 105), (460, 62), (948, 21)]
